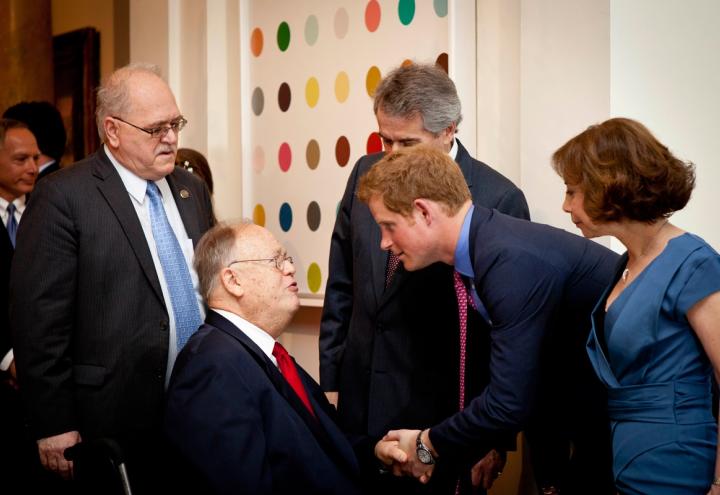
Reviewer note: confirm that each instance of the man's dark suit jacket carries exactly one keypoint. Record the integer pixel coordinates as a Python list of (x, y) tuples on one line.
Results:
[(6, 255), (90, 323), (537, 283), (237, 420), (393, 353), (53, 167)]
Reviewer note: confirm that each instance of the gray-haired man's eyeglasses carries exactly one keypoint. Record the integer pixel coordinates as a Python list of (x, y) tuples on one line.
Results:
[(160, 131), (279, 261)]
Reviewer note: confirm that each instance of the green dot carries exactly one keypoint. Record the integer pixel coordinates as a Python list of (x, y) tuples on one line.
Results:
[(283, 35), (406, 11), (314, 277)]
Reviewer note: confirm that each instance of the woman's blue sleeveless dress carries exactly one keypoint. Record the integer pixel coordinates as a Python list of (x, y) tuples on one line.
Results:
[(658, 375)]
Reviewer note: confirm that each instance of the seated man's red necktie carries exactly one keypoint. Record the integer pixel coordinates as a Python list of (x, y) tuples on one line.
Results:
[(289, 371)]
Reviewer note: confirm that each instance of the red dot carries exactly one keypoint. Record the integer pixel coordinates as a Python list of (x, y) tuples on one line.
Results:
[(374, 143), (284, 157)]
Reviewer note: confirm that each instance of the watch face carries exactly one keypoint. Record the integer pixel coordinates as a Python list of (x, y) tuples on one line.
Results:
[(424, 456)]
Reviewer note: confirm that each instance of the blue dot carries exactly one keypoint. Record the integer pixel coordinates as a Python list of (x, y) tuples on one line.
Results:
[(285, 217)]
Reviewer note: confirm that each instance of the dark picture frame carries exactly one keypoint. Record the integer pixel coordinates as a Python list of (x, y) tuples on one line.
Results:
[(76, 57)]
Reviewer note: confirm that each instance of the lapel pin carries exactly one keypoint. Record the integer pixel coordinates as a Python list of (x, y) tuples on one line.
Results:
[(184, 193)]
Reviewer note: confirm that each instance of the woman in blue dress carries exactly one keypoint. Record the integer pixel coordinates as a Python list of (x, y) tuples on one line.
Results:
[(655, 341)]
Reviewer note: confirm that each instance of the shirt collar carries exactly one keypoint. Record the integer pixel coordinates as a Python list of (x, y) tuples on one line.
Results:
[(19, 203), (463, 263), (136, 186), (454, 149), (260, 337), (45, 165)]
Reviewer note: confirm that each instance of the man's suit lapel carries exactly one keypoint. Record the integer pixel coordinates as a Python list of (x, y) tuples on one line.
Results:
[(465, 162), (113, 190), (379, 262), (318, 425)]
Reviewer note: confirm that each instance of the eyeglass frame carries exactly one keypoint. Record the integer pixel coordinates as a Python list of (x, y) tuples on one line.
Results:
[(279, 260), (159, 132)]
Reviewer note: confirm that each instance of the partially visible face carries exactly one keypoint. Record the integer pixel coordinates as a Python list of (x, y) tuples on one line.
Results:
[(151, 104), (265, 287), (398, 132), (18, 163), (574, 204), (407, 237)]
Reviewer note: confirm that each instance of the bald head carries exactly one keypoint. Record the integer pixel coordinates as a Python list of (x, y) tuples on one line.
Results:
[(139, 121), (113, 96)]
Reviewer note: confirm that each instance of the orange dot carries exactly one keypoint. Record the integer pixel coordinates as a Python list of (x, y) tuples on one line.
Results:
[(407, 62), (256, 42)]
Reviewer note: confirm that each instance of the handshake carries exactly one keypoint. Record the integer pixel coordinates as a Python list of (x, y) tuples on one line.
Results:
[(410, 453)]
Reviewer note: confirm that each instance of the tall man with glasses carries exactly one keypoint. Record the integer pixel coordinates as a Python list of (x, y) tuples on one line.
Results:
[(103, 289), (240, 410)]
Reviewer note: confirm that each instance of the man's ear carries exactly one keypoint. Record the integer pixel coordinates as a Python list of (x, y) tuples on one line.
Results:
[(231, 283), (425, 210), (449, 134), (111, 128)]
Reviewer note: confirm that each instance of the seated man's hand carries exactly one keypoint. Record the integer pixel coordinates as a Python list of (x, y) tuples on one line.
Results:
[(412, 466), (389, 452), (487, 470)]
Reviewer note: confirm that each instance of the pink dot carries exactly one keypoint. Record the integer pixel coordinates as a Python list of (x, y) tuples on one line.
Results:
[(284, 157), (372, 15), (258, 159)]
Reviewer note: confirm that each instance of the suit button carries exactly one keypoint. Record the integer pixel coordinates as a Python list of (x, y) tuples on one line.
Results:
[(164, 326)]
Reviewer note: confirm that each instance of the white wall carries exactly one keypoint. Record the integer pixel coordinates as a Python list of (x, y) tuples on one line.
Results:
[(665, 72)]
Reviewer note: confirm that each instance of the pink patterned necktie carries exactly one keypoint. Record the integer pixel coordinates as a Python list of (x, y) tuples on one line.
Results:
[(392, 264), (464, 299)]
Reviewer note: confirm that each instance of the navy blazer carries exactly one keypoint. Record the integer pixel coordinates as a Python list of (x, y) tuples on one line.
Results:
[(231, 413), (537, 282)]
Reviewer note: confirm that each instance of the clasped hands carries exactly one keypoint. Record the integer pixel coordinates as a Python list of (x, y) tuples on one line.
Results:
[(397, 450)]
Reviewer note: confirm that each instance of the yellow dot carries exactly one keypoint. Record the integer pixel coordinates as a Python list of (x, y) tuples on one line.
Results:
[(314, 277), (259, 215), (312, 92), (372, 80), (342, 87)]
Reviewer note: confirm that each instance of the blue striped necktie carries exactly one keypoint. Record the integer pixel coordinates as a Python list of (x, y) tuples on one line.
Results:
[(177, 275), (11, 223)]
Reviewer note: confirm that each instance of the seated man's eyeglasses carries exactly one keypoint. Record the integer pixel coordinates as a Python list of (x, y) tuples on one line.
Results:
[(160, 131), (279, 261)]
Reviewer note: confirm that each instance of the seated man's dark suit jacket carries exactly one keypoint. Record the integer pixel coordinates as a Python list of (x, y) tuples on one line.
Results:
[(539, 284), (91, 339), (393, 353), (233, 415)]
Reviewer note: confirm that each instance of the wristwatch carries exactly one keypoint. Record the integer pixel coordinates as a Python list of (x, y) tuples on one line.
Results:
[(423, 453)]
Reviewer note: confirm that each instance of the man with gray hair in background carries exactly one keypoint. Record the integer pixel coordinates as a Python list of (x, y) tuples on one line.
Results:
[(103, 290), (383, 327)]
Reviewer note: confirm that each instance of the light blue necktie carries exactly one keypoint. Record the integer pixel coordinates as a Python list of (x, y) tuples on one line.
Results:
[(177, 274), (11, 223)]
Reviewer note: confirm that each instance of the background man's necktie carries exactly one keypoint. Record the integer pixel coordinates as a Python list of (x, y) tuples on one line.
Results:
[(177, 275), (11, 223), (289, 371), (392, 264)]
